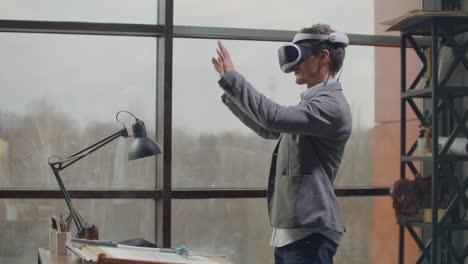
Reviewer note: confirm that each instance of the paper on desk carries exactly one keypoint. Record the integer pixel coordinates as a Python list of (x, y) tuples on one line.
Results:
[(83, 253), (148, 255), (130, 253)]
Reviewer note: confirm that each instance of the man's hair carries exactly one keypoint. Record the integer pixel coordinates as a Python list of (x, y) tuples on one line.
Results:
[(337, 51)]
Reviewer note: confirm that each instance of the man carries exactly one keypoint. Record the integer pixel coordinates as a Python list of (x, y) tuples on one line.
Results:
[(304, 212)]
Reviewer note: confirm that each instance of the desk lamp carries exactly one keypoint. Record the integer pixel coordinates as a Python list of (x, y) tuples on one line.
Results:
[(143, 146)]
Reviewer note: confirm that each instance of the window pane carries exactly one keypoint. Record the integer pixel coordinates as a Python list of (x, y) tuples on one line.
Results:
[(60, 94), (357, 242), (240, 229), (212, 148), (25, 223), (116, 11), (237, 228), (277, 14)]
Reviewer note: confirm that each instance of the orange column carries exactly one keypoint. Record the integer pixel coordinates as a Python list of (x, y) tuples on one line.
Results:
[(387, 134)]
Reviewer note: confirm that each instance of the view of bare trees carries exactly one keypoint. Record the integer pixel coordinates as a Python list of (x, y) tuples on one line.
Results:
[(221, 160)]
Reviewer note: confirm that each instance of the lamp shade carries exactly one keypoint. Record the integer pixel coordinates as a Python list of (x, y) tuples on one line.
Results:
[(143, 146)]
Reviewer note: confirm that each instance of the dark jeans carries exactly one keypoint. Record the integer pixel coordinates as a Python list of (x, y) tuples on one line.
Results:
[(313, 249)]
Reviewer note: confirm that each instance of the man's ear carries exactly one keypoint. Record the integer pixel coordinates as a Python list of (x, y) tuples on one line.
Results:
[(325, 56)]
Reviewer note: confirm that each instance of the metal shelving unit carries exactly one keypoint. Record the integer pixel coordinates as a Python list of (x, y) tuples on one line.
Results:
[(446, 121)]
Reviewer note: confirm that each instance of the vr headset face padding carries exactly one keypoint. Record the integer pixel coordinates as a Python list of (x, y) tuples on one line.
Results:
[(291, 55)]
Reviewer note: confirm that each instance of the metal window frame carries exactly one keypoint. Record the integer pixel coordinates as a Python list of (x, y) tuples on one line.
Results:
[(158, 31), (165, 32), (205, 193)]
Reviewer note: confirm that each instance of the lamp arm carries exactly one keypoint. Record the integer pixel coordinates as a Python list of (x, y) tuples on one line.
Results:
[(62, 164), (73, 213)]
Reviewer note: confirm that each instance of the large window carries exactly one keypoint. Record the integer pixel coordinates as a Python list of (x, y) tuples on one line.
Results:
[(60, 94)]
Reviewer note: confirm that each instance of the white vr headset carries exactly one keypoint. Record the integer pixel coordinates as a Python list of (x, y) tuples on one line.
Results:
[(291, 55)]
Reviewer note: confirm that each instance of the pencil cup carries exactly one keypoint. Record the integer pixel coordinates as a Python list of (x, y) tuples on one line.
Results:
[(62, 238), (53, 240)]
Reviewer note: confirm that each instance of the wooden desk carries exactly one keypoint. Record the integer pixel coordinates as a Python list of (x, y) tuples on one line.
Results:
[(45, 257)]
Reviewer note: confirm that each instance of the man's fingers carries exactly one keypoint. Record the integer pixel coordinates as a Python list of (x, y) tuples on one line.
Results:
[(223, 50), (220, 54), (224, 60), (221, 46), (218, 66), (215, 62)]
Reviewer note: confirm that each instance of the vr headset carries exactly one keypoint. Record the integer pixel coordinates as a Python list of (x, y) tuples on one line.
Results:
[(291, 55)]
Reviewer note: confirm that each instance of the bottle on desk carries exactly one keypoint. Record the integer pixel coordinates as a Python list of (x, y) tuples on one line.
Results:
[(91, 233)]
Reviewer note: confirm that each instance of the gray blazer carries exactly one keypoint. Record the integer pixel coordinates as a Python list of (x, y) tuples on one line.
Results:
[(312, 137)]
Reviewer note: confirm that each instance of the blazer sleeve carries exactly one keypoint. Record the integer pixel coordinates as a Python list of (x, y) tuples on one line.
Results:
[(320, 116), (249, 122)]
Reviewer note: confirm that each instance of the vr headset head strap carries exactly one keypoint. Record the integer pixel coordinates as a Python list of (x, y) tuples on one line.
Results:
[(308, 36), (336, 37)]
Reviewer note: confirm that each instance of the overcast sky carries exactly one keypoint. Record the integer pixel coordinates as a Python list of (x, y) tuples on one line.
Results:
[(93, 77)]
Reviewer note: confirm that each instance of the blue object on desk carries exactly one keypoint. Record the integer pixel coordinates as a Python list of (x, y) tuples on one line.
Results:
[(181, 250)]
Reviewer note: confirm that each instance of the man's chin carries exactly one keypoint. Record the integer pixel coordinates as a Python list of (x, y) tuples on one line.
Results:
[(300, 81)]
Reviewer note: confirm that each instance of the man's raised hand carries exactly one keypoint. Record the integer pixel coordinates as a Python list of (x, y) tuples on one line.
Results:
[(223, 64)]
